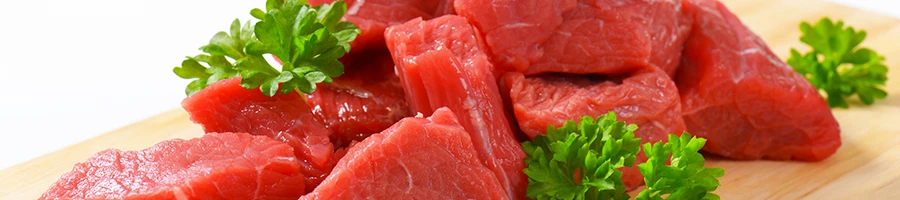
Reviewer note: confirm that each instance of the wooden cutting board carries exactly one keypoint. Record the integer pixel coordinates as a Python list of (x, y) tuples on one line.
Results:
[(866, 167)]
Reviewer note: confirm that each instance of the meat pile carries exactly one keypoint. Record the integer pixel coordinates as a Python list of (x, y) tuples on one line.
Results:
[(496, 74)]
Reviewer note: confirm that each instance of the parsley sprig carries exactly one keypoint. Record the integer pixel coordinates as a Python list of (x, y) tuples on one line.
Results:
[(308, 40), (685, 177), (837, 66), (581, 161)]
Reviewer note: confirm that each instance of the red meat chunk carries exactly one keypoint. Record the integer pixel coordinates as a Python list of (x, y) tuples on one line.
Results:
[(215, 166), (365, 100), (580, 36), (441, 64), (748, 103), (225, 106), (417, 158), (647, 98)]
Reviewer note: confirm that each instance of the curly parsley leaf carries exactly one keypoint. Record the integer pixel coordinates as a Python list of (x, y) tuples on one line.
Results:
[(220, 46), (579, 161), (837, 66), (685, 178), (308, 40)]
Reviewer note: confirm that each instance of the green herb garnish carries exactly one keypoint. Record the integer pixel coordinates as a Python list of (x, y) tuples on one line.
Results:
[(579, 161), (309, 40), (837, 66), (685, 177)]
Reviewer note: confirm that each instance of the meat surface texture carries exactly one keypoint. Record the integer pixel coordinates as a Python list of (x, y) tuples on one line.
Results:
[(374, 16), (441, 64), (417, 158), (215, 166), (647, 98), (365, 100), (580, 36), (743, 99), (225, 106)]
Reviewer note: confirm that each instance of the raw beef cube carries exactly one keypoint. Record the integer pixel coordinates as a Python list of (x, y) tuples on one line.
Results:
[(647, 98), (225, 106), (745, 100), (440, 63), (417, 158), (365, 100), (215, 166), (580, 36), (373, 16)]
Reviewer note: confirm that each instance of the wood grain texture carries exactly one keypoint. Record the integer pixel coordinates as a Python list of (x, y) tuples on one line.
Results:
[(867, 166)]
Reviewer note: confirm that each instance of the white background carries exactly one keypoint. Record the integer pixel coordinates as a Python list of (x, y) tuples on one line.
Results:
[(74, 69)]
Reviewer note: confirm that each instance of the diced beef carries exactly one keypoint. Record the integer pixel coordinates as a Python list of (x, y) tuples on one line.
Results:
[(225, 106), (365, 100), (441, 64), (647, 98), (215, 166), (580, 36), (748, 103), (418, 158)]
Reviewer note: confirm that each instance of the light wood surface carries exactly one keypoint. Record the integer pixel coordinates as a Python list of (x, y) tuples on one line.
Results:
[(867, 166)]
